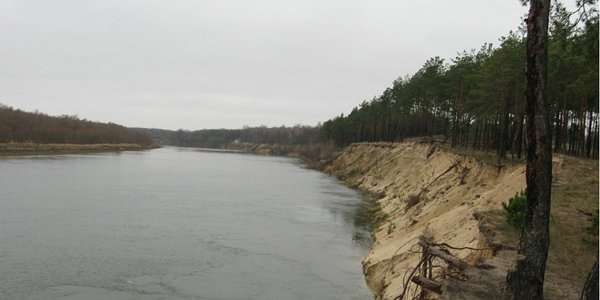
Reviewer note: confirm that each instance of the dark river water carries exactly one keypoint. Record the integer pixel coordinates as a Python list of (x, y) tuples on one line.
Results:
[(177, 223)]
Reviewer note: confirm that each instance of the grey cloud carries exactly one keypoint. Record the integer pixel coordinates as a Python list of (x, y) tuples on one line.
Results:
[(203, 64)]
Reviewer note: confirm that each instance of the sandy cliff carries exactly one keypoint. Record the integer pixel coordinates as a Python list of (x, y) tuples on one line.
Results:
[(422, 190)]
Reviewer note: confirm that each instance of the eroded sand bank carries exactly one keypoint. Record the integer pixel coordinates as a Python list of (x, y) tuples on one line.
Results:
[(422, 190)]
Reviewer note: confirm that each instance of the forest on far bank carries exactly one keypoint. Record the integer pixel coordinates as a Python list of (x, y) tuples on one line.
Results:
[(18, 126), (22, 127), (476, 101), (222, 138)]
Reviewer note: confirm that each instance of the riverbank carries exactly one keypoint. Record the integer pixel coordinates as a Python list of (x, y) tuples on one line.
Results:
[(26, 149), (422, 190), (315, 156)]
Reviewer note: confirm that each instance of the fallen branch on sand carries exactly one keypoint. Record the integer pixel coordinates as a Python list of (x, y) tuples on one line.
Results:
[(425, 280)]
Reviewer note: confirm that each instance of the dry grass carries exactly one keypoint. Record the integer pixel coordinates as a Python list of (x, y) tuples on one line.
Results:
[(489, 157), (572, 250)]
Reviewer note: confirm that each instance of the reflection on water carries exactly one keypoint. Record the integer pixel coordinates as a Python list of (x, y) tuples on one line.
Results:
[(177, 224), (355, 214)]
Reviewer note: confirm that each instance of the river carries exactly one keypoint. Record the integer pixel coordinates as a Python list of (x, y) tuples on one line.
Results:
[(177, 223)]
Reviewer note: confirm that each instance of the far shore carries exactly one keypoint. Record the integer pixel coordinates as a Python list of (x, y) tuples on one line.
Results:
[(27, 149)]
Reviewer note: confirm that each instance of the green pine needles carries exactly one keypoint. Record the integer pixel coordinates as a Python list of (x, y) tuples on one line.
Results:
[(515, 209)]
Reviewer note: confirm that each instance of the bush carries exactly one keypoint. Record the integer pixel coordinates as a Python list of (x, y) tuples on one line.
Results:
[(412, 200), (515, 209)]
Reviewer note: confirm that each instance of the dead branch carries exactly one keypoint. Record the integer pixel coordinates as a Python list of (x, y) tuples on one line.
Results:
[(454, 164), (462, 248), (437, 252), (427, 284)]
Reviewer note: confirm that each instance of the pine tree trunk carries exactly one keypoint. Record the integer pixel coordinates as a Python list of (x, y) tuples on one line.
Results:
[(565, 130), (526, 280), (465, 135), (518, 136), (502, 133), (557, 141), (588, 144), (595, 143), (455, 129), (476, 136), (486, 139), (590, 289)]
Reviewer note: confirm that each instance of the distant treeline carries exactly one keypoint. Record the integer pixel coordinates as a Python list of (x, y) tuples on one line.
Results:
[(20, 126), (221, 138), (478, 100)]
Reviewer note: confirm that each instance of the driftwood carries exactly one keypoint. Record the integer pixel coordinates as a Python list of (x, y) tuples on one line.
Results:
[(427, 283), (422, 274), (437, 252)]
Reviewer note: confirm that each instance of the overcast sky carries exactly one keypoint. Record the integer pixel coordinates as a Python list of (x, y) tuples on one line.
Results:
[(197, 64)]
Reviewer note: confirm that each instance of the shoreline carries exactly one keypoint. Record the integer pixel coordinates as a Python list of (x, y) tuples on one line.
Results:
[(421, 190), (31, 149), (457, 200), (424, 190)]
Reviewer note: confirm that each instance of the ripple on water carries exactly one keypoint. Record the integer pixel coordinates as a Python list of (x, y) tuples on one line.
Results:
[(177, 224)]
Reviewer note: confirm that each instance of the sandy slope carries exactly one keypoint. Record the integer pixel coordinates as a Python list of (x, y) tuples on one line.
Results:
[(445, 189)]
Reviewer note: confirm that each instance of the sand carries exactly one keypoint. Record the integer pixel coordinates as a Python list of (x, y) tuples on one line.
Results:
[(426, 190)]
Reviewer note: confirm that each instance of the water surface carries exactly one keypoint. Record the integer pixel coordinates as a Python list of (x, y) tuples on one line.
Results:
[(177, 223)]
